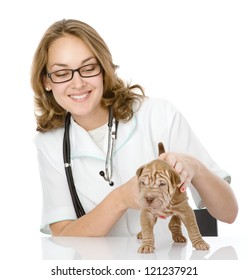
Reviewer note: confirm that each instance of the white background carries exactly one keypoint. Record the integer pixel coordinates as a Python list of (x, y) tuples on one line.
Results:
[(194, 53)]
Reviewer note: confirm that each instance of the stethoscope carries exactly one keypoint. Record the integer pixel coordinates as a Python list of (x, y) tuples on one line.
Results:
[(107, 175)]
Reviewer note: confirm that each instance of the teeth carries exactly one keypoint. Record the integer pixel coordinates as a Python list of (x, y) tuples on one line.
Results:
[(79, 96)]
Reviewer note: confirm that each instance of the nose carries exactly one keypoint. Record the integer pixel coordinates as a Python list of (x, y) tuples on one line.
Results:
[(149, 199), (77, 81)]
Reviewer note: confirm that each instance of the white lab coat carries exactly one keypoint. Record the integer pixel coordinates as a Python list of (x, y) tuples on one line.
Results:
[(157, 120)]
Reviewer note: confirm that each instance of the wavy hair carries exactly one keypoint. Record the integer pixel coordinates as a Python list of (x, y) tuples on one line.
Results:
[(116, 93)]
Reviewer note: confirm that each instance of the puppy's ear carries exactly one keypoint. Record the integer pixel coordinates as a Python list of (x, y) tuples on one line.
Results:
[(139, 171), (175, 178)]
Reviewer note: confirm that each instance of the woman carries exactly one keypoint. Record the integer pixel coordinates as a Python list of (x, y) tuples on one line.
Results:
[(73, 72)]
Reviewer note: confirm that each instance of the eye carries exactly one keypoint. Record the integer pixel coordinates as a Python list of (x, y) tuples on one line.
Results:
[(62, 73), (162, 184), (143, 183), (90, 68)]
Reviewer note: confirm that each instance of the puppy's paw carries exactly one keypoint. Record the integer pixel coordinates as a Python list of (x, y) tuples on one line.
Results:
[(201, 245), (146, 249), (179, 238), (139, 235)]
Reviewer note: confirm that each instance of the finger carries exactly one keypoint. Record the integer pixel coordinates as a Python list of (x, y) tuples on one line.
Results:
[(162, 156), (178, 167), (162, 217), (183, 176), (171, 160), (185, 185), (183, 188)]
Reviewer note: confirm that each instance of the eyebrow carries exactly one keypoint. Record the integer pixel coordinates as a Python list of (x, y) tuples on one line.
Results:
[(65, 65)]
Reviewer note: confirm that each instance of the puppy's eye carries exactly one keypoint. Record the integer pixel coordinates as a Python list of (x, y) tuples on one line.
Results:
[(144, 183), (162, 184)]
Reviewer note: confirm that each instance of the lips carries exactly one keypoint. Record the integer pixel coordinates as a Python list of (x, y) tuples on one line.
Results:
[(79, 97)]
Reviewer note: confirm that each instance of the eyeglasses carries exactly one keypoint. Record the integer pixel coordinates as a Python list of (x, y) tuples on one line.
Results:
[(65, 75)]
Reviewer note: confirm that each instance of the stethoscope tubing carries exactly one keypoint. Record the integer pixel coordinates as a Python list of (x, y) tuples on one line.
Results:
[(112, 134), (107, 175), (67, 164)]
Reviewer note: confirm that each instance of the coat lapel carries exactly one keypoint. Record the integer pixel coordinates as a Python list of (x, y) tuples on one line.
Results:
[(82, 144)]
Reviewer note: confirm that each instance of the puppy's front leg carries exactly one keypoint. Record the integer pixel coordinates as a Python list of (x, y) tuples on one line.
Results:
[(147, 220)]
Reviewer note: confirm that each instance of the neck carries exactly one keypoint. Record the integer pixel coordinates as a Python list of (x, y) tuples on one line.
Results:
[(93, 121)]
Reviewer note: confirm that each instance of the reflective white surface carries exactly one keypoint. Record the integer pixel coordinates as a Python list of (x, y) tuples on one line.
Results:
[(116, 248)]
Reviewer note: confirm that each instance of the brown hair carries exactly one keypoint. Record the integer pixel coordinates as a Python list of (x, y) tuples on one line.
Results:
[(49, 114)]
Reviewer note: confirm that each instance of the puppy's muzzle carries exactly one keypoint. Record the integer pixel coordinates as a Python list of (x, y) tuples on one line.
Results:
[(152, 199), (149, 199)]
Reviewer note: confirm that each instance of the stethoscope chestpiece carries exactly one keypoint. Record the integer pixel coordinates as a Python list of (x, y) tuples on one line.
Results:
[(111, 183)]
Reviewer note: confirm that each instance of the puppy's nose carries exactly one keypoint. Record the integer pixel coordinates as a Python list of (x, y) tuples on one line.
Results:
[(149, 199)]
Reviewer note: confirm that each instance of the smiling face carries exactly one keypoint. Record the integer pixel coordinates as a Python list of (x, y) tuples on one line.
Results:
[(80, 96)]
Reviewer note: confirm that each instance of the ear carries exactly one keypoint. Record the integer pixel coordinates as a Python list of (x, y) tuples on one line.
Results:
[(46, 83), (175, 178), (139, 171)]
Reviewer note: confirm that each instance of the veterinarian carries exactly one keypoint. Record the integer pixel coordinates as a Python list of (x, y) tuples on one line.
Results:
[(111, 130)]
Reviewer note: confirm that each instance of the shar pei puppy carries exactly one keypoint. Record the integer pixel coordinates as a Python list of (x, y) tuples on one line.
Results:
[(160, 196)]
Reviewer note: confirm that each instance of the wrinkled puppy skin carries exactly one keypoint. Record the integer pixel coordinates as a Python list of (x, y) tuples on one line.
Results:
[(160, 196)]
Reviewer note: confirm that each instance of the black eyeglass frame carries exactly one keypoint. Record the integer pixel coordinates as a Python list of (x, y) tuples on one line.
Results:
[(73, 71)]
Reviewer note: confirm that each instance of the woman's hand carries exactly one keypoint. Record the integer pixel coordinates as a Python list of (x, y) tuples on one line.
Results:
[(183, 164), (129, 194)]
